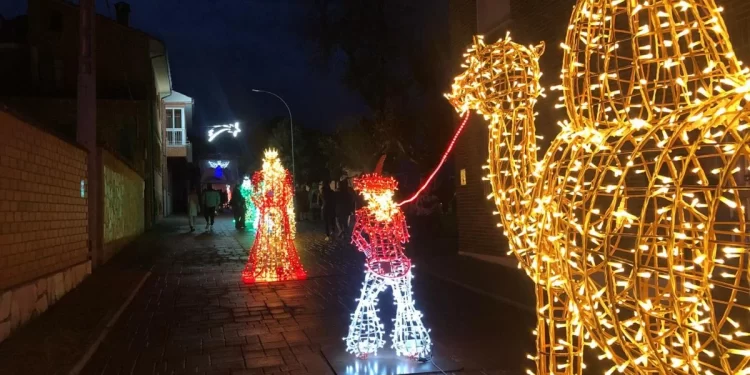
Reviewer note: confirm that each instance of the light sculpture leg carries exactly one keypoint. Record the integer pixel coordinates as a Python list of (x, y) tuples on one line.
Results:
[(366, 331), (410, 337), (559, 334)]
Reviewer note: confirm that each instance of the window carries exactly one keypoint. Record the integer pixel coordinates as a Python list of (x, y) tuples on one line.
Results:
[(175, 127)]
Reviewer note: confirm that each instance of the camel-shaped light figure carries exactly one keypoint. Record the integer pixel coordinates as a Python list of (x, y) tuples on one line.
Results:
[(633, 223), (380, 232)]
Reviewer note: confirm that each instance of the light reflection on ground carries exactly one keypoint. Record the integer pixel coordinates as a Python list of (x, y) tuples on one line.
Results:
[(385, 363)]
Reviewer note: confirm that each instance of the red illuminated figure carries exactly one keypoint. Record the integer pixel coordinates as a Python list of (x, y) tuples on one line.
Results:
[(381, 233), (273, 256)]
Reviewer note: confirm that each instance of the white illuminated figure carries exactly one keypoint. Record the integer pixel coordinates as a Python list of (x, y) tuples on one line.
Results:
[(380, 232), (219, 163)]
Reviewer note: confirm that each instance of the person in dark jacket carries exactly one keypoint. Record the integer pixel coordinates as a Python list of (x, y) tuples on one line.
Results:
[(238, 208), (316, 200), (329, 209), (303, 201), (344, 207)]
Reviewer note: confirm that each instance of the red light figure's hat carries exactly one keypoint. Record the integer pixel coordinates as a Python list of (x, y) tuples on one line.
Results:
[(375, 182)]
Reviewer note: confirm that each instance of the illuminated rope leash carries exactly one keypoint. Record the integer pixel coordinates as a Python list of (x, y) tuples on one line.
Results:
[(442, 161)]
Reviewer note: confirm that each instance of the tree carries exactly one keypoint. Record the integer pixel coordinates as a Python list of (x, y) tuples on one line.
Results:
[(354, 146), (395, 57)]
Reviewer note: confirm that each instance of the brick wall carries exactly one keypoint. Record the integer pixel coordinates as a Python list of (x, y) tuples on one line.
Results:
[(43, 214), (123, 220), (43, 225)]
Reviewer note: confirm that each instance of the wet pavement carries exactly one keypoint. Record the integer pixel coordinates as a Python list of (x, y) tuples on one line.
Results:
[(193, 314)]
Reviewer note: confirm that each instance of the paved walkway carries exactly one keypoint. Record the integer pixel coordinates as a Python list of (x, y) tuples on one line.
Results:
[(194, 315)]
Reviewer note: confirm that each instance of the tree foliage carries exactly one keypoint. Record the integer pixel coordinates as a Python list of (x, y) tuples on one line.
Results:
[(395, 56), (276, 133), (352, 147)]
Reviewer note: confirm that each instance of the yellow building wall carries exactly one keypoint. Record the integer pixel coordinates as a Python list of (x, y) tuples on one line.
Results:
[(123, 204)]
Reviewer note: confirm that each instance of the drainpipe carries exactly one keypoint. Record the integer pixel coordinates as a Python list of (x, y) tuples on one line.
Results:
[(151, 173), (151, 132), (86, 132)]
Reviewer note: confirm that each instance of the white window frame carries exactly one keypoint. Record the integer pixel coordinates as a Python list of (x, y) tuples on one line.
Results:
[(181, 129)]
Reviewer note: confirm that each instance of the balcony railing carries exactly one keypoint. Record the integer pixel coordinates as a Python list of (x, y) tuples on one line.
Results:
[(175, 139)]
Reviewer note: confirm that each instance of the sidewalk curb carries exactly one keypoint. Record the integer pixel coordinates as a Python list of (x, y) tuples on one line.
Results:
[(79, 366)]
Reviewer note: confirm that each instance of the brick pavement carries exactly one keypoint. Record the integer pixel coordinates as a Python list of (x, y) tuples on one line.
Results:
[(194, 315)]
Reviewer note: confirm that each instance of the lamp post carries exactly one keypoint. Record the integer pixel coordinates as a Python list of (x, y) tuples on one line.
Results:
[(291, 128)]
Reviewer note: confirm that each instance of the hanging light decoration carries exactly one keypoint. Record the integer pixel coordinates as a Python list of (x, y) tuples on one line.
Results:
[(380, 232), (218, 164), (633, 224), (217, 130), (273, 256)]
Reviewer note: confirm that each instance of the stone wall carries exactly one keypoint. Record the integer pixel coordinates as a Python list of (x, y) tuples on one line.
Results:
[(43, 225), (123, 205)]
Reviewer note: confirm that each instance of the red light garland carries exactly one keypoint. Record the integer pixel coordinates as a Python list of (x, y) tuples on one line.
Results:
[(442, 161), (380, 229), (273, 256)]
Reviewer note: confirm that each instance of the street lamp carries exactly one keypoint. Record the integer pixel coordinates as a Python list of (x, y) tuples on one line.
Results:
[(291, 128)]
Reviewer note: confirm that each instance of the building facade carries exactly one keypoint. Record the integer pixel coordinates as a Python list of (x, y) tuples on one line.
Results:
[(45, 248), (132, 77), (179, 152)]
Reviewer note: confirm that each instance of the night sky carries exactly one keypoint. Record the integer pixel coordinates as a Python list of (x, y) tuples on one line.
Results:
[(221, 49)]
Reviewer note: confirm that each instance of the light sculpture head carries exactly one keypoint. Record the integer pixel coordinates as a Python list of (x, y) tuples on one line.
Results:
[(272, 168), (499, 76), (378, 191)]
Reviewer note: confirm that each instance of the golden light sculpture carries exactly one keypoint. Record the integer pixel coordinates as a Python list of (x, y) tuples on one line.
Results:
[(502, 84), (633, 224)]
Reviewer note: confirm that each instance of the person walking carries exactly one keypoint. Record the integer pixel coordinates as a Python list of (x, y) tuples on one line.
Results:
[(238, 208), (303, 202), (211, 199), (193, 207), (329, 209), (316, 201), (344, 207)]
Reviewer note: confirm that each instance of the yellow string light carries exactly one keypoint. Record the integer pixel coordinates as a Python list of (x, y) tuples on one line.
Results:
[(633, 224)]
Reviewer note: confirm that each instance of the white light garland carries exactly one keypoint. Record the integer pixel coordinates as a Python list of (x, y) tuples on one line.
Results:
[(219, 163), (216, 130), (409, 338)]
